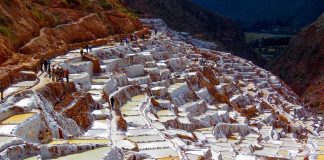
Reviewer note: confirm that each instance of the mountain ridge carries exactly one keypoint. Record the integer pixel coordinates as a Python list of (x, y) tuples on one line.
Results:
[(183, 15), (269, 13)]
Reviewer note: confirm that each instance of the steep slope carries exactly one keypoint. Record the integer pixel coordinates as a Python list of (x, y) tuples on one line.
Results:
[(270, 13), (302, 64), (32, 30), (183, 15)]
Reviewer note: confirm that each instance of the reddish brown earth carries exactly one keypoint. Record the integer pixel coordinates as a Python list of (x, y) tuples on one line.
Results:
[(32, 30), (80, 111), (72, 104), (302, 65)]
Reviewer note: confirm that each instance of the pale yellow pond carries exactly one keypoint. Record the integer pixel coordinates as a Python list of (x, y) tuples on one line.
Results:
[(139, 98), (80, 141), (17, 119), (31, 158), (95, 154), (169, 158)]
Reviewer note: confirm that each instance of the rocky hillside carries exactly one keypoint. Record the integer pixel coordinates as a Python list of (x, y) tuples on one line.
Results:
[(185, 16), (302, 64), (35, 29)]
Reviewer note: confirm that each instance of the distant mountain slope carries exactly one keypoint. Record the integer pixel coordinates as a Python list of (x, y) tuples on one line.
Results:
[(293, 13), (183, 15), (302, 64)]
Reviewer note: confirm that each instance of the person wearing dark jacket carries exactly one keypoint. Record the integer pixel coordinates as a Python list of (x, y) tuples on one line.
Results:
[(67, 75), (87, 48), (112, 102), (1, 92), (45, 63)]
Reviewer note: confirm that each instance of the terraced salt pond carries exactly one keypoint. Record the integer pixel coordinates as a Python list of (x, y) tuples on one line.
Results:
[(130, 106), (139, 98), (150, 145), (32, 158), (95, 154), (161, 153), (80, 141), (151, 138), (17, 119), (5, 140)]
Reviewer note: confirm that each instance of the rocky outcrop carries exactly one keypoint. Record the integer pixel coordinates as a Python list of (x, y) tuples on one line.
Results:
[(66, 111), (80, 109), (55, 92), (301, 65)]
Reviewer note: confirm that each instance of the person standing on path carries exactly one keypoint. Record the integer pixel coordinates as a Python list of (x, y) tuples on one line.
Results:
[(112, 102), (90, 48), (45, 63), (49, 71), (1, 92), (81, 52), (87, 48), (41, 65), (49, 68), (61, 75), (67, 75)]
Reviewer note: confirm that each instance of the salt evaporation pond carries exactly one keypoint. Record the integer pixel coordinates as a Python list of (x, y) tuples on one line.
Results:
[(95, 154)]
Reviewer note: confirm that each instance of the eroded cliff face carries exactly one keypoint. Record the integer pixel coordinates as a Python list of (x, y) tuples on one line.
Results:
[(32, 30), (302, 65)]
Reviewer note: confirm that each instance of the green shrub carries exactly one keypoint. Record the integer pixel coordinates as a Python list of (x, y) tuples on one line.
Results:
[(5, 31), (37, 13), (105, 4)]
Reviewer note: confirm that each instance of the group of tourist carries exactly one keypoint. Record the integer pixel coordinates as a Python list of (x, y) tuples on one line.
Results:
[(59, 74), (131, 38), (56, 74)]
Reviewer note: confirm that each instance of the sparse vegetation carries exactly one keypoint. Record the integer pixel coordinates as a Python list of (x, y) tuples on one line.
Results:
[(4, 23), (38, 14), (105, 4), (5, 31)]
